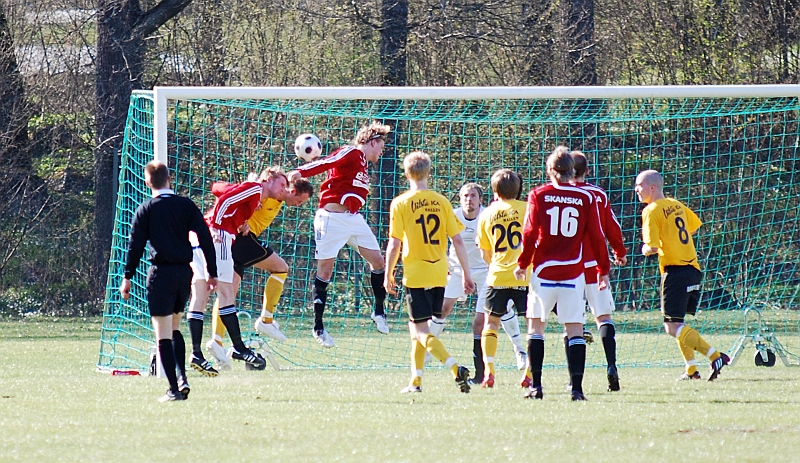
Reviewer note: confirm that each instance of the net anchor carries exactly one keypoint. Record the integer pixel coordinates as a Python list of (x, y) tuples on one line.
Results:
[(766, 344)]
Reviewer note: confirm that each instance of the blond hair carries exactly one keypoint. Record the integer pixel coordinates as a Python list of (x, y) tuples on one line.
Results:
[(417, 165), (270, 173), (372, 131)]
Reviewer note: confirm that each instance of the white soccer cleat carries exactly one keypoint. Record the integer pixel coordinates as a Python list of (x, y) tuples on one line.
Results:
[(380, 323), (324, 338), (522, 360), (270, 329), (219, 354)]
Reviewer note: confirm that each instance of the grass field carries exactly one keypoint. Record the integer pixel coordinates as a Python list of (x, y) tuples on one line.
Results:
[(55, 407)]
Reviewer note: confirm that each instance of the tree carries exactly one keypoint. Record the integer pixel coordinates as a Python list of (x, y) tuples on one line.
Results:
[(122, 31)]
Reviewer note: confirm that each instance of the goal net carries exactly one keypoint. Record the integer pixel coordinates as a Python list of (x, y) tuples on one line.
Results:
[(729, 152)]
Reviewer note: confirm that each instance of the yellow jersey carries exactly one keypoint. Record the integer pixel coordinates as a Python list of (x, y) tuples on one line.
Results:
[(262, 218), (500, 231), (423, 220), (667, 224)]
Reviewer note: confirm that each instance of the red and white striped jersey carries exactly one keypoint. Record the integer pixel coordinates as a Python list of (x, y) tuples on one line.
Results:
[(235, 204), (611, 228), (560, 219), (347, 182)]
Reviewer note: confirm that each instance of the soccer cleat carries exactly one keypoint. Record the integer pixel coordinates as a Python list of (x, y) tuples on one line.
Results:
[(476, 381), (171, 397), (488, 381), (380, 323), (219, 354), (203, 366), (271, 330), (686, 376), (324, 338), (522, 360), (526, 381), (613, 379), (183, 387), (716, 366), (411, 389), (249, 357), (588, 337), (534, 392), (578, 396), (462, 379)]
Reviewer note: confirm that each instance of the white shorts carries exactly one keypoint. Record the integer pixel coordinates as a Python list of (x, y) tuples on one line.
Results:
[(332, 230), (545, 294), (600, 302), (199, 269), (224, 257), (455, 286)]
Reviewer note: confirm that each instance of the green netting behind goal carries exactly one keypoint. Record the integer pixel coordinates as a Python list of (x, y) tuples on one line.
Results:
[(732, 160)]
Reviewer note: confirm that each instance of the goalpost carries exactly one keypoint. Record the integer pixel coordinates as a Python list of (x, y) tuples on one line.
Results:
[(729, 152)]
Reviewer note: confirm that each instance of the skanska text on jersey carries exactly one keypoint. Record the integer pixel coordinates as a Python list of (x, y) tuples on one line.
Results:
[(563, 200)]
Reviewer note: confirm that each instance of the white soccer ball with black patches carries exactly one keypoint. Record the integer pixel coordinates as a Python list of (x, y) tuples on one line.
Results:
[(307, 147)]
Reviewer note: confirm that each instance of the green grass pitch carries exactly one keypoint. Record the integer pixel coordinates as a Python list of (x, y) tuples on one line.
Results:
[(55, 407)]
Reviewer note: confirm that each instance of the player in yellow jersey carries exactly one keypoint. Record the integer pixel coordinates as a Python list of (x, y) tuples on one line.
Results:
[(247, 251), (420, 221), (667, 228), (500, 240)]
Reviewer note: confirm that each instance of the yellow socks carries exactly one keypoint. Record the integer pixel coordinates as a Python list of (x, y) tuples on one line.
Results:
[(688, 357), (217, 327), (272, 293), (417, 362), (692, 339), (489, 346), (436, 348)]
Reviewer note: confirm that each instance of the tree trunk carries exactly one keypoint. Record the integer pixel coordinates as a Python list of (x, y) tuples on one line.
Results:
[(121, 31), (15, 160), (582, 49)]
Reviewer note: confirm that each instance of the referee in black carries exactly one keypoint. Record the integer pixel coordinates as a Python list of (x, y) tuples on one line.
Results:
[(165, 220)]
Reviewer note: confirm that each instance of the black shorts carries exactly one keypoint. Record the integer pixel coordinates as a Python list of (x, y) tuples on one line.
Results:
[(248, 251), (497, 300), (423, 303), (168, 289), (680, 292)]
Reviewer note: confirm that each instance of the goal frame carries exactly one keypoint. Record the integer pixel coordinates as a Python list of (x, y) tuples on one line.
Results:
[(162, 94)]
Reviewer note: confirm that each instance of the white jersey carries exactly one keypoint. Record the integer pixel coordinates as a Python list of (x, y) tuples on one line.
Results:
[(474, 254)]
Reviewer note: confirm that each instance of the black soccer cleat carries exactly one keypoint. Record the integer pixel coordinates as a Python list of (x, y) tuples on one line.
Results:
[(716, 366), (249, 357), (613, 379), (534, 392), (183, 387), (578, 396), (203, 366), (462, 379)]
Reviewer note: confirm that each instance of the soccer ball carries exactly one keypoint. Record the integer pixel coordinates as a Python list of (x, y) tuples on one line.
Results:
[(307, 147)]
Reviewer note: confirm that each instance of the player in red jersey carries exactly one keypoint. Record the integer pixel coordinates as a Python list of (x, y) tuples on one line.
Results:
[(234, 205), (338, 222), (557, 222), (601, 302)]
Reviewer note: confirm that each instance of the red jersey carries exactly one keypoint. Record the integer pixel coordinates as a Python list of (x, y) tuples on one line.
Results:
[(347, 182), (611, 228), (235, 204), (559, 220)]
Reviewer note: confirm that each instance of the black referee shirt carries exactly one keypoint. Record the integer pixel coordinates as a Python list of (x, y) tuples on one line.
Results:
[(166, 221)]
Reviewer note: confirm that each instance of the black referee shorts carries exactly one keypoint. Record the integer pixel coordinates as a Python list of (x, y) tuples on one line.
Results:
[(497, 300), (168, 289), (248, 251), (423, 303), (680, 292)]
